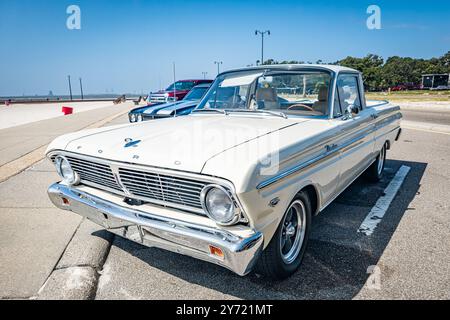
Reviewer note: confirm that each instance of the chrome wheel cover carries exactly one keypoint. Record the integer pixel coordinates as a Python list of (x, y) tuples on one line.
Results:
[(293, 232)]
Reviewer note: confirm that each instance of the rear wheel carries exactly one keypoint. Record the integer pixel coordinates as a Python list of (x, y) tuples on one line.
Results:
[(375, 172), (285, 252)]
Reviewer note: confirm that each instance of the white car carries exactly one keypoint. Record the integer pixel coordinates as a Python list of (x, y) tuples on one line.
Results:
[(236, 182)]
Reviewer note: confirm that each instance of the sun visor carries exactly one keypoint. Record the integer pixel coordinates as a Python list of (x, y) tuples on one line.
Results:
[(240, 80)]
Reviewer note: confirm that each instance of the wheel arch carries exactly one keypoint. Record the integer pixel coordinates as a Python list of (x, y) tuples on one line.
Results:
[(313, 196), (311, 190)]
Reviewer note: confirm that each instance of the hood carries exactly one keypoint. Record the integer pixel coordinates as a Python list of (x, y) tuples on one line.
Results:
[(177, 107), (155, 108), (181, 143), (139, 109)]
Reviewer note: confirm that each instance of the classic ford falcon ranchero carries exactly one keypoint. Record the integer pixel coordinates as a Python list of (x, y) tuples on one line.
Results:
[(236, 182)]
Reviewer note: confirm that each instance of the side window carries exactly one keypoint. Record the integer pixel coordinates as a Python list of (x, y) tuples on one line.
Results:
[(348, 91)]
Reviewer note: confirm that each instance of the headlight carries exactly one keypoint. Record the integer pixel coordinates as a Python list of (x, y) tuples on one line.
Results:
[(139, 117), (219, 205), (65, 171), (132, 117)]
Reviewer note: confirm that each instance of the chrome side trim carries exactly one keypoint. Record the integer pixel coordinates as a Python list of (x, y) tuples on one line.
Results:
[(240, 253), (311, 162), (329, 140), (342, 148), (295, 169)]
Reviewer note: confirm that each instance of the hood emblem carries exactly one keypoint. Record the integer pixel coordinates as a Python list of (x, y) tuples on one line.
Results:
[(131, 143)]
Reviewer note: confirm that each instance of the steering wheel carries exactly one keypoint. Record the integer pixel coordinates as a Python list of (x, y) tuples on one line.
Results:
[(300, 105)]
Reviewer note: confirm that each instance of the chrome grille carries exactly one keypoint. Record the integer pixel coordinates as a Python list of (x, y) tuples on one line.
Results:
[(94, 172), (162, 187)]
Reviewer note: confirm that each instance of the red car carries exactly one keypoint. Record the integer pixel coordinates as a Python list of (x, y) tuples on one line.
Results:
[(176, 91), (406, 86)]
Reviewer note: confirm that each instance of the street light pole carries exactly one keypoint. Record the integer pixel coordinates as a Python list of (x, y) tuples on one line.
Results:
[(262, 33), (81, 89), (70, 88), (204, 74), (218, 65)]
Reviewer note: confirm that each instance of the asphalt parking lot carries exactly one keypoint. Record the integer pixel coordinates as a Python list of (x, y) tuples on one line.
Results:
[(407, 255)]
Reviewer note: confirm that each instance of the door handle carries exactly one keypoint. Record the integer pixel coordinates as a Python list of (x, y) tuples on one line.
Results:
[(374, 115)]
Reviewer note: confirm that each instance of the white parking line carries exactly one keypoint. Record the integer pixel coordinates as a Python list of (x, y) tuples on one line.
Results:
[(379, 209)]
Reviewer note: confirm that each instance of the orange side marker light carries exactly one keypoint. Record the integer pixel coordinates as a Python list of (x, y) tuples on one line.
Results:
[(216, 251)]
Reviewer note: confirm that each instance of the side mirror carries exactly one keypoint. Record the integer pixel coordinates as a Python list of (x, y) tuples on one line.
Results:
[(350, 112), (354, 110)]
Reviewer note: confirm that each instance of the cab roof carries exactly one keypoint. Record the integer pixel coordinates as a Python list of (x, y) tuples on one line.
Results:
[(298, 67)]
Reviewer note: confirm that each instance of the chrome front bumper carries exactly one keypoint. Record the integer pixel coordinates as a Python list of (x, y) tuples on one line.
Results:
[(239, 253)]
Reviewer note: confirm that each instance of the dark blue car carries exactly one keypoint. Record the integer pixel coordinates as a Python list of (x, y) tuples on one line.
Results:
[(172, 109)]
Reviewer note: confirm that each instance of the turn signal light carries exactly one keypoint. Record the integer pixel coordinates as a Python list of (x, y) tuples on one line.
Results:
[(216, 251), (65, 201)]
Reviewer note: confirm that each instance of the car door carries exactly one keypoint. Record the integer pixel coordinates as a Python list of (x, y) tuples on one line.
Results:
[(355, 140)]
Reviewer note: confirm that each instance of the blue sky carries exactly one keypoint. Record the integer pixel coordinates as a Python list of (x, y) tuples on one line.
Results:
[(129, 46)]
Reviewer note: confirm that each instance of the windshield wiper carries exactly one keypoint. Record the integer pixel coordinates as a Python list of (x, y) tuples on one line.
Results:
[(211, 110), (273, 113)]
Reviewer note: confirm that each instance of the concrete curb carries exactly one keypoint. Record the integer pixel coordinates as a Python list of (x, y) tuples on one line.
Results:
[(74, 283), (87, 247), (18, 165), (76, 274), (424, 126)]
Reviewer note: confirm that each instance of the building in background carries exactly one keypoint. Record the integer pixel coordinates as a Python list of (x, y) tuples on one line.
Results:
[(433, 81)]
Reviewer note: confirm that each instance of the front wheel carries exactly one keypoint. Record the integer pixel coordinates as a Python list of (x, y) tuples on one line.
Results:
[(375, 172), (285, 252)]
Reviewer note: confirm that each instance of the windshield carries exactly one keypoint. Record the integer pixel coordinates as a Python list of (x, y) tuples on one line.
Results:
[(181, 85), (302, 92), (196, 93)]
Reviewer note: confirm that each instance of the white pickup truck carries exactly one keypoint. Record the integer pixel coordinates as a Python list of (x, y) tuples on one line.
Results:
[(236, 182)]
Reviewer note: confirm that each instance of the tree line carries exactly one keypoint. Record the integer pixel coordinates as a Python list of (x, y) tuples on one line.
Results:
[(380, 74)]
